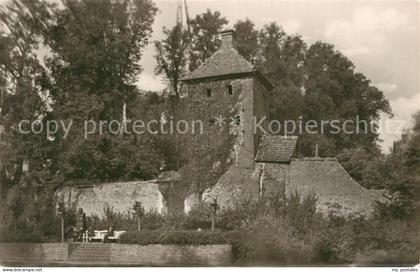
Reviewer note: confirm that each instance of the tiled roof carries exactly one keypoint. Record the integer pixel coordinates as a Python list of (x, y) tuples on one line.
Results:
[(274, 148), (226, 61)]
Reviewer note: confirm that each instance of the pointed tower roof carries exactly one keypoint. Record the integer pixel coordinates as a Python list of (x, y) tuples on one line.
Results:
[(226, 61)]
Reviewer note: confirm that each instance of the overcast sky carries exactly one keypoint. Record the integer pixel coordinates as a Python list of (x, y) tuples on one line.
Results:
[(380, 37)]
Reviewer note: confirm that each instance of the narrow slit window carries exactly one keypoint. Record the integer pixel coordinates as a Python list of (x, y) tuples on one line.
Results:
[(208, 92), (229, 89)]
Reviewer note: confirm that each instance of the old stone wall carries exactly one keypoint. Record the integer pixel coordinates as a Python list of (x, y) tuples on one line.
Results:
[(337, 192), (233, 187), (118, 195)]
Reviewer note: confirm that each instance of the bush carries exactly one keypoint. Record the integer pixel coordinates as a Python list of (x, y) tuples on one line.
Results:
[(152, 221), (199, 217), (390, 243), (181, 237), (279, 232), (126, 221), (24, 218), (195, 237), (144, 237)]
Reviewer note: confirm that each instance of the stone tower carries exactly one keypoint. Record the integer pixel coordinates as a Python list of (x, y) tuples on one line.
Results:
[(227, 84)]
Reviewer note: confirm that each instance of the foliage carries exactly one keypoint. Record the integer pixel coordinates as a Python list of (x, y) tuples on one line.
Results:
[(170, 56), (96, 47), (179, 237), (315, 83), (22, 88), (335, 91), (367, 167), (247, 42), (126, 220), (138, 209), (402, 176), (26, 218), (291, 232), (204, 37)]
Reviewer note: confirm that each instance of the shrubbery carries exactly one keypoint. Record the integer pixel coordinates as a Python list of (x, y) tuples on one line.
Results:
[(25, 218), (177, 237), (277, 231)]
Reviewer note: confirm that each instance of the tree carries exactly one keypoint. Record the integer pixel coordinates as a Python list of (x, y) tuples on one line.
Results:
[(367, 167), (204, 37), (282, 60), (22, 88), (402, 175), (271, 37), (100, 43), (96, 48), (15, 203), (334, 91), (247, 42), (170, 56)]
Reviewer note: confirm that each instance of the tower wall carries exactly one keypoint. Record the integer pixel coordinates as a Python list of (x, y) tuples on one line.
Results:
[(240, 104)]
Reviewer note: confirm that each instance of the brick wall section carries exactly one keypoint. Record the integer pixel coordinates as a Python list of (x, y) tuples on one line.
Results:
[(158, 255), (118, 195), (164, 255), (29, 251)]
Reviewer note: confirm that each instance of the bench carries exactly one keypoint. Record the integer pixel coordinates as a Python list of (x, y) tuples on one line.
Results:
[(116, 236), (99, 235)]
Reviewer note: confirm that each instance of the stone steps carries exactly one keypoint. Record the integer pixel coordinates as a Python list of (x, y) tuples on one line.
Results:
[(89, 252)]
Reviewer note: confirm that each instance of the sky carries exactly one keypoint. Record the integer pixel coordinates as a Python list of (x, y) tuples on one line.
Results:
[(380, 37)]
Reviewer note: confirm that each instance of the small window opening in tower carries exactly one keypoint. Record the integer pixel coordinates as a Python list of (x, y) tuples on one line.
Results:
[(229, 89), (208, 92)]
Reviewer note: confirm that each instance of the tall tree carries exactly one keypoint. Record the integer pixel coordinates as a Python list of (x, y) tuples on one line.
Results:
[(204, 37), (171, 57), (334, 91), (247, 40), (282, 60), (96, 46), (22, 89), (271, 37), (401, 177)]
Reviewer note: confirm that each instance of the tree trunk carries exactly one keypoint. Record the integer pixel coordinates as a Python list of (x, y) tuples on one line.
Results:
[(18, 173), (62, 229), (138, 224), (15, 224), (213, 221)]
